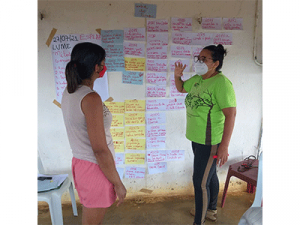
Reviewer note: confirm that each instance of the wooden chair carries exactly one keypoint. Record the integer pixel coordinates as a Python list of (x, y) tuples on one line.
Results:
[(249, 176)]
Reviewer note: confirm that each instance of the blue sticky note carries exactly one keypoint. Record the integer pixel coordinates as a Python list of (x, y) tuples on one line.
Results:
[(112, 36), (132, 77), (145, 10), (115, 64), (113, 50)]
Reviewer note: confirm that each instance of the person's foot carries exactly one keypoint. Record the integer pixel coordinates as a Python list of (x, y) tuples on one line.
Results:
[(210, 214)]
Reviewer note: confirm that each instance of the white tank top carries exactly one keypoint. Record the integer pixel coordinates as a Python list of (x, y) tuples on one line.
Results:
[(76, 124)]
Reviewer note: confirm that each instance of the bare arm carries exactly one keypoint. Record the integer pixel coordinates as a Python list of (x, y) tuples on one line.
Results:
[(229, 114), (93, 110), (178, 73)]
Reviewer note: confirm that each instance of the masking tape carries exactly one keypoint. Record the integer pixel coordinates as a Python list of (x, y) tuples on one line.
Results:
[(110, 99), (57, 103), (146, 190), (99, 30), (48, 42)]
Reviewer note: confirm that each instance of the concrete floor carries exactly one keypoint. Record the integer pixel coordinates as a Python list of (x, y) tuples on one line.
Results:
[(157, 210)]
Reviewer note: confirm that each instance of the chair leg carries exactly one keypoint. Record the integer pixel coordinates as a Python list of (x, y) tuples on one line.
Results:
[(225, 188), (56, 210), (72, 195)]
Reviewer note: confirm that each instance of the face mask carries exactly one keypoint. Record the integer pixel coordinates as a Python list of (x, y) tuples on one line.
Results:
[(101, 74), (200, 68)]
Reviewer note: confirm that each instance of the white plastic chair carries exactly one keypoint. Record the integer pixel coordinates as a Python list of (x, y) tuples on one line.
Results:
[(253, 216), (53, 198)]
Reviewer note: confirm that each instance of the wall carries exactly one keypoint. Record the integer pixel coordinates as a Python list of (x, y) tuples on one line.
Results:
[(86, 16)]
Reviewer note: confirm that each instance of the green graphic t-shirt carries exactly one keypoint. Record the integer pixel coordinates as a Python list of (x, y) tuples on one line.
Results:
[(204, 104)]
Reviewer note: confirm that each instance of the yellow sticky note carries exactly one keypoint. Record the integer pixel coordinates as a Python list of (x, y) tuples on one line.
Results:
[(135, 158), (134, 131), (119, 146), (117, 133), (115, 107), (134, 118), (134, 64), (117, 120), (135, 105), (135, 144)]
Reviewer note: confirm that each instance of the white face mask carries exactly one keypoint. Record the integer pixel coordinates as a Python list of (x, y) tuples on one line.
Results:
[(200, 68)]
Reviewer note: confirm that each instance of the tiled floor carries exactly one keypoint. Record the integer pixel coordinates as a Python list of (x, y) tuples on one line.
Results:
[(159, 210)]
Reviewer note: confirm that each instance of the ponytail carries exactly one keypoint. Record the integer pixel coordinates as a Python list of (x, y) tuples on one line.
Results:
[(72, 76)]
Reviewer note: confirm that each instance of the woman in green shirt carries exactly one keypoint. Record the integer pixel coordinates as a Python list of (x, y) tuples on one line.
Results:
[(210, 111)]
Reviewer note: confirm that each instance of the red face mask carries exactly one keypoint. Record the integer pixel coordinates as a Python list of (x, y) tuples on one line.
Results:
[(101, 74)]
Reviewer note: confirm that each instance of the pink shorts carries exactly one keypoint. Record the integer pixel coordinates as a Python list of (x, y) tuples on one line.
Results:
[(93, 188)]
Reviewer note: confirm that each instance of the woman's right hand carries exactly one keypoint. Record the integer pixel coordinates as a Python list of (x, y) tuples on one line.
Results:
[(178, 71), (121, 192)]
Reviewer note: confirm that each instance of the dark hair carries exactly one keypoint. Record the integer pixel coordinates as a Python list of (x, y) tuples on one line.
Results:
[(217, 53), (84, 57)]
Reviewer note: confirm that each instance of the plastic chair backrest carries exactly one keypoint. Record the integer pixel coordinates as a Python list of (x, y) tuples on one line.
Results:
[(259, 186)]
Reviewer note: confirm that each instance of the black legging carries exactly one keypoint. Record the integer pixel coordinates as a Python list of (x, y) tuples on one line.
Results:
[(205, 179)]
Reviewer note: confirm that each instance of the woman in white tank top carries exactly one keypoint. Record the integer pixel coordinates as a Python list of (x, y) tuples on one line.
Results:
[(87, 122)]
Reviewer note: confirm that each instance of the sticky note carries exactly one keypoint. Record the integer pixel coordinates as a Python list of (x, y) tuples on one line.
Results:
[(135, 144), (135, 158)]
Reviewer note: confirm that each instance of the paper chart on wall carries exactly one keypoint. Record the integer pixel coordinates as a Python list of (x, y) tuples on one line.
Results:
[(135, 105), (211, 23), (156, 155), (115, 64), (134, 48), (132, 77), (134, 34), (135, 131), (175, 155), (156, 104), (157, 52), (185, 38), (157, 130), (135, 158), (134, 64), (135, 172), (117, 133), (157, 65), (112, 36), (223, 39), (144, 10), (181, 51), (156, 78), (156, 142), (119, 146), (61, 48), (157, 167), (117, 120), (134, 118), (135, 144), (116, 107), (233, 23), (119, 158), (113, 50), (157, 38), (155, 91), (157, 25), (155, 118), (181, 24)]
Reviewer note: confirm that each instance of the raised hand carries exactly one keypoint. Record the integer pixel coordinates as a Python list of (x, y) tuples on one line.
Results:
[(178, 71)]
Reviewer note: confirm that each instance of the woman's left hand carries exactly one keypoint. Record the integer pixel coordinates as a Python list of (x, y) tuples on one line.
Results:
[(222, 155)]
